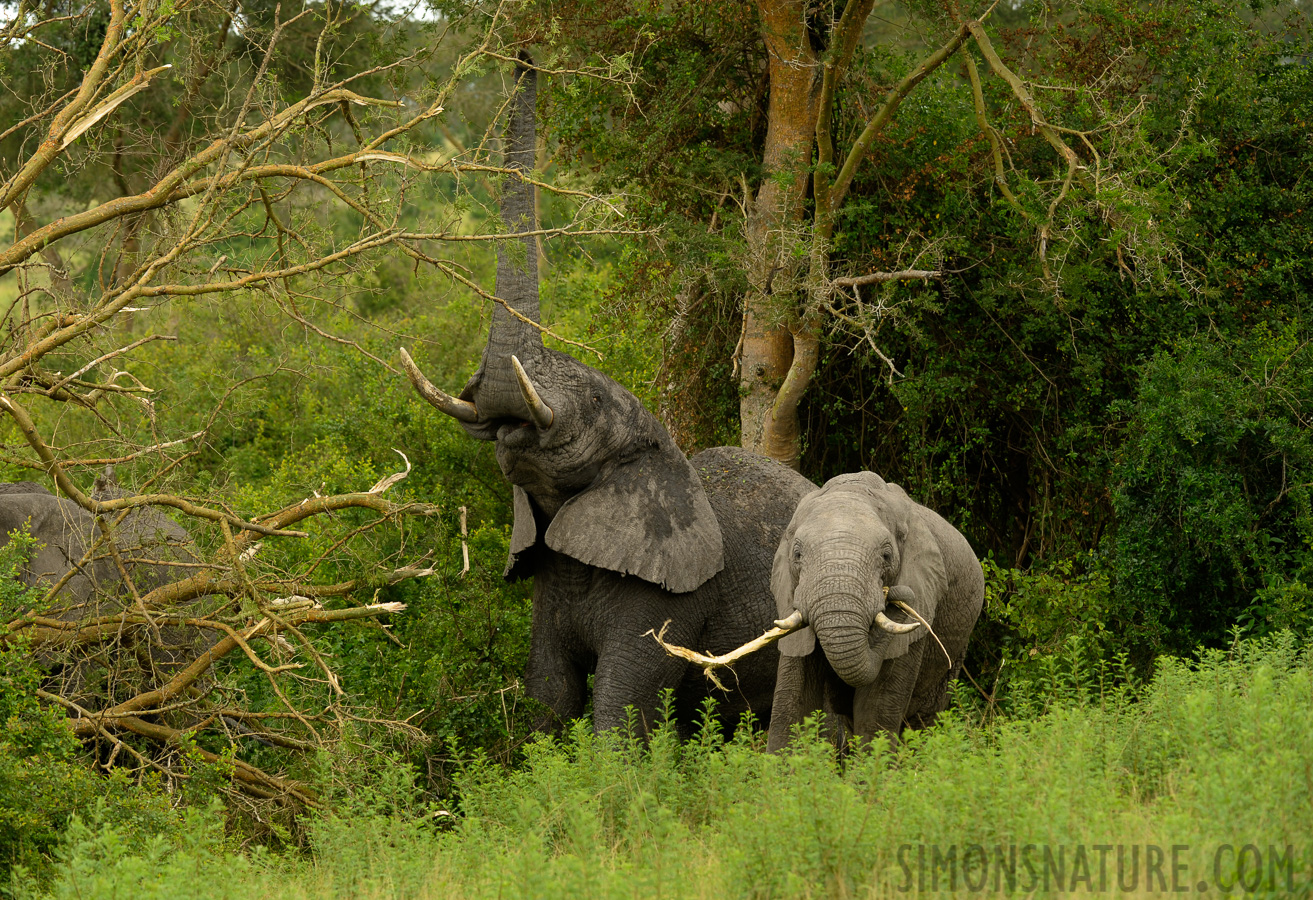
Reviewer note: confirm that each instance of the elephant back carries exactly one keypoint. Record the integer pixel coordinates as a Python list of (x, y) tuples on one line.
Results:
[(752, 495), (753, 498)]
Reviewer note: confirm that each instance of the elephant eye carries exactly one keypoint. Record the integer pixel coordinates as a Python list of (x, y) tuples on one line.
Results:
[(597, 398)]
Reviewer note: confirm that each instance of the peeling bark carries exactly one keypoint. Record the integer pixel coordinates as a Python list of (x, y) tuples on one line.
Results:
[(775, 227)]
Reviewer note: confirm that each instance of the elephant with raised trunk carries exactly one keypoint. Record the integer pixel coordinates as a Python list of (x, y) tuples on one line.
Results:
[(620, 531), (861, 659)]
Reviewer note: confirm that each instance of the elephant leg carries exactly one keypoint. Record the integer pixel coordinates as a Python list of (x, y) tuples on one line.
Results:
[(799, 692), (882, 705), (632, 672), (930, 696), (555, 676)]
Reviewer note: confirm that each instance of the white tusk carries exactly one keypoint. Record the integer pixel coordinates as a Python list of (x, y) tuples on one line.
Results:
[(540, 412), (792, 621), (461, 410), (893, 627)]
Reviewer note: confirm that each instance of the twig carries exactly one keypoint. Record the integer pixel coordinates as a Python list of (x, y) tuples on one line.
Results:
[(916, 615), (464, 547), (874, 277)]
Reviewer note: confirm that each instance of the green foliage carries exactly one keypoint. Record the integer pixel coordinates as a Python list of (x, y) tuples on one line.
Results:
[(1214, 490), (1043, 635), (1189, 221), (44, 779), (1210, 752)]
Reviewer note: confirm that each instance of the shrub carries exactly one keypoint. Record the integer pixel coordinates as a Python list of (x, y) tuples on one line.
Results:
[(1212, 751), (1214, 492)]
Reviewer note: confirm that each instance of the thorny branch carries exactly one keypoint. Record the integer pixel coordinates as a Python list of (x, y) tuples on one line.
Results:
[(223, 198)]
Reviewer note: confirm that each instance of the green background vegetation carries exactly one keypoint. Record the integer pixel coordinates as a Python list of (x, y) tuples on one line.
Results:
[(1131, 452)]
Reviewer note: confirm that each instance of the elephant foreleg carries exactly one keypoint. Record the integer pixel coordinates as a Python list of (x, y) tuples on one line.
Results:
[(882, 706), (633, 676), (799, 692), (555, 675)]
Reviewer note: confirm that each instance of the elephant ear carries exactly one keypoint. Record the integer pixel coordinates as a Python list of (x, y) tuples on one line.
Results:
[(922, 570), (524, 534), (803, 641), (648, 517)]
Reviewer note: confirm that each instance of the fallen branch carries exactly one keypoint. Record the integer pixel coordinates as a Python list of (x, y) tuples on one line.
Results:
[(783, 627), (710, 663)]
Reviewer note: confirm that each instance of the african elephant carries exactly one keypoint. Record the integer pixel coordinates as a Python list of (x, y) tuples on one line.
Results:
[(876, 669), (146, 541), (620, 531), (65, 531)]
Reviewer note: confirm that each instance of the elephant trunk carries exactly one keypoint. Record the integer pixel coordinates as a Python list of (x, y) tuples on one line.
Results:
[(496, 389), (841, 617)]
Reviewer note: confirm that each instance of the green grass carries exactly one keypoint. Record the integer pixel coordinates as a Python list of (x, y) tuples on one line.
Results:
[(1213, 752)]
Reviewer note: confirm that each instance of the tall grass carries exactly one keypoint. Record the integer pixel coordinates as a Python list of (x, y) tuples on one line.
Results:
[(1211, 753)]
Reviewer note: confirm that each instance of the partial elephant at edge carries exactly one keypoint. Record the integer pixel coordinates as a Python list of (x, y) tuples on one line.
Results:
[(151, 545), (867, 664)]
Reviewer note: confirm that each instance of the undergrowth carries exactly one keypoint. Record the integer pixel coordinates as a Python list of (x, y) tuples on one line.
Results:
[(1211, 753)]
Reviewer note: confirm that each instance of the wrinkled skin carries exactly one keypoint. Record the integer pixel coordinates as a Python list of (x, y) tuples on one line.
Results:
[(65, 531), (619, 530), (845, 544)]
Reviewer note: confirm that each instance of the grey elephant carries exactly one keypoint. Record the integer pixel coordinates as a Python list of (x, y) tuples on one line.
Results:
[(868, 665), (65, 531), (146, 540), (619, 530)]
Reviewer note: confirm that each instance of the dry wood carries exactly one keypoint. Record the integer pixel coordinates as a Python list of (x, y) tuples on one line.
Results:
[(710, 663)]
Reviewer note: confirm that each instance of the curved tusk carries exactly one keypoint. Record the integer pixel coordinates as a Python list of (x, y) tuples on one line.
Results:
[(794, 620), (893, 627), (540, 412), (461, 410)]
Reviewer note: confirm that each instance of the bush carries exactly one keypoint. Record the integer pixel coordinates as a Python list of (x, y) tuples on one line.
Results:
[(1214, 492), (1213, 751)]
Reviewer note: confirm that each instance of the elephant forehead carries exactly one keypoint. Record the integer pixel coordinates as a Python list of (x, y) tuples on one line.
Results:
[(828, 508)]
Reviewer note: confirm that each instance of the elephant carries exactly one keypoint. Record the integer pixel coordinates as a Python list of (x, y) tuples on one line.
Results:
[(146, 541), (618, 528), (876, 670), (65, 531)]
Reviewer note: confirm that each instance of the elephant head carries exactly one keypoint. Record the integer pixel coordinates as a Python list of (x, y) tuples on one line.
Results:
[(846, 544), (596, 476)]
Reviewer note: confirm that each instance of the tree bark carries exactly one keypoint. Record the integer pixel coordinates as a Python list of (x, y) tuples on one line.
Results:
[(774, 231)]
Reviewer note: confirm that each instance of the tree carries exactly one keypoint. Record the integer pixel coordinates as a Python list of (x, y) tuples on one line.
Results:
[(162, 158), (799, 156)]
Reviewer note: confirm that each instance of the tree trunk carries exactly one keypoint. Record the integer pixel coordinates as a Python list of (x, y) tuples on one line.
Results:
[(775, 229)]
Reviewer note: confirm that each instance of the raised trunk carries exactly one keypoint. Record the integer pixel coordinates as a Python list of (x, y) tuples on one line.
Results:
[(774, 228), (493, 388)]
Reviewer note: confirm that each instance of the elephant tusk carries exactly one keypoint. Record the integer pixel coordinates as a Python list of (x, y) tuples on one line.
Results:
[(792, 621), (461, 410), (540, 412), (893, 627)]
